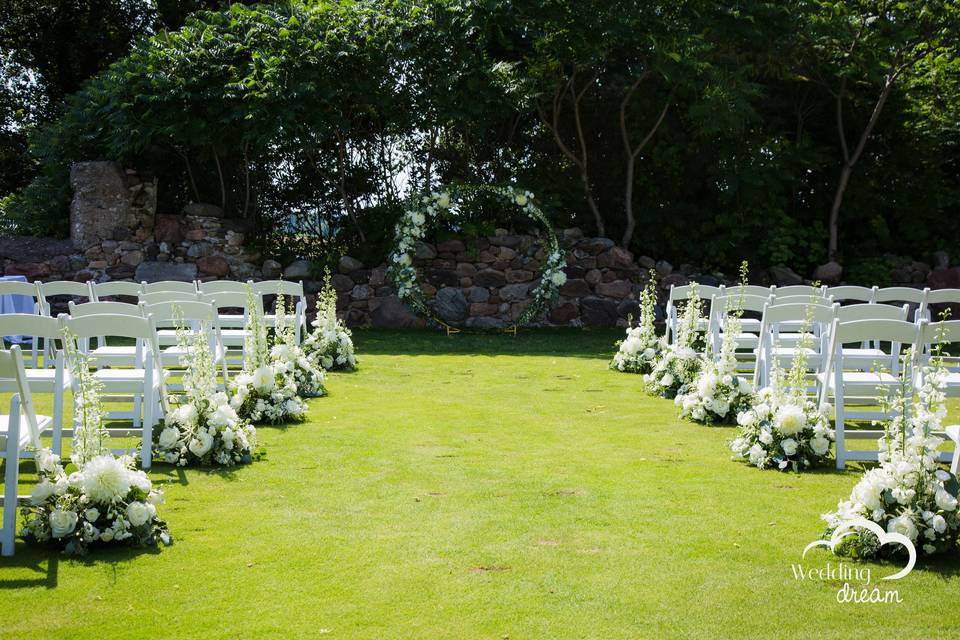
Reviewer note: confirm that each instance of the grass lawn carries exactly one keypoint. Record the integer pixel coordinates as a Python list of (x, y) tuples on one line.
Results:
[(477, 487)]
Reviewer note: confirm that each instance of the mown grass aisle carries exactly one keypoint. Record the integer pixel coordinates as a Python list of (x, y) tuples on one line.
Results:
[(476, 487)]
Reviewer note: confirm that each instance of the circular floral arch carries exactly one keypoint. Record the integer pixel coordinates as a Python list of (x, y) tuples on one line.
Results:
[(442, 205)]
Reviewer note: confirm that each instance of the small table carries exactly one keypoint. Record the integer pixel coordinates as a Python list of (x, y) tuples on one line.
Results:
[(10, 303)]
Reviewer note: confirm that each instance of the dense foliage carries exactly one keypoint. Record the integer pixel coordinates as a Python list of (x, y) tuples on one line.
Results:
[(698, 130)]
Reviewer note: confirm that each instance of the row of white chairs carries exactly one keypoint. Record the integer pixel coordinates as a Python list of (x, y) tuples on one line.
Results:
[(843, 354), (136, 372), (231, 294), (846, 294)]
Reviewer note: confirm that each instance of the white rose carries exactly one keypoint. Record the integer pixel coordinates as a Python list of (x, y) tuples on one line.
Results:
[(789, 446), (820, 445), (946, 501), (264, 379), (185, 414), (756, 454), (91, 514), (903, 525), (47, 461), (138, 513), (746, 418), (765, 436), (939, 524), (168, 438), (201, 444), (62, 523), (666, 380)]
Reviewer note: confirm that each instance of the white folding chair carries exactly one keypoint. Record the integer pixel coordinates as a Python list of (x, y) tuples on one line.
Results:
[(193, 314), (53, 379), (863, 387), (771, 351), (721, 312), (227, 320), (101, 291), (290, 290), (869, 354), (852, 293), (169, 286), (931, 333), (938, 297), (104, 354), (916, 298), (233, 339), (31, 290), (49, 290), (679, 294), (953, 432), (16, 436), (146, 381)]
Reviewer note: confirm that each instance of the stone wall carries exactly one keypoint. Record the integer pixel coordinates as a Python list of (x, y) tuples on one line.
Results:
[(118, 234), (484, 282)]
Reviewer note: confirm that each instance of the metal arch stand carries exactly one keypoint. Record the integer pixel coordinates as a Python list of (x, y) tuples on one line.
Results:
[(511, 330)]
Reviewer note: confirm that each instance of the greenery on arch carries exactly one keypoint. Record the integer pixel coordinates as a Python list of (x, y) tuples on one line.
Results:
[(445, 205)]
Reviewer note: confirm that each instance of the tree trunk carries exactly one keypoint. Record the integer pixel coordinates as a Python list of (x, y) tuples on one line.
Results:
[(833, 249), (223, 187)]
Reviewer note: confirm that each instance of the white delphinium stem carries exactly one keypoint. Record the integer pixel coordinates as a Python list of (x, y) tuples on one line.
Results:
[(89, 436)]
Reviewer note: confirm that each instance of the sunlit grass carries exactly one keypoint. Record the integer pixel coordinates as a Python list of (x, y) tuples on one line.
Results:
[(476, 487)]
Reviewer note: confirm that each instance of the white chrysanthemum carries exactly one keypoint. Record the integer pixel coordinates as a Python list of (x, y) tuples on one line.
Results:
[(105, 479)]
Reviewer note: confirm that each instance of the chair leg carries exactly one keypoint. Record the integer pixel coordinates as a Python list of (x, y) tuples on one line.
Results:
[(146, 447), (12, 467), (58, 421), (839, 425), (137, 410)]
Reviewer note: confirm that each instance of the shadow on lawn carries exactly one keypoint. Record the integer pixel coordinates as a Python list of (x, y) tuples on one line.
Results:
[(570, 343), (43, 560)]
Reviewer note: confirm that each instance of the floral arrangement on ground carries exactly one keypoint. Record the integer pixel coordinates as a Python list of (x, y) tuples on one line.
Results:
[(638, 351), (266, 390), (330, 343), (204, 429)]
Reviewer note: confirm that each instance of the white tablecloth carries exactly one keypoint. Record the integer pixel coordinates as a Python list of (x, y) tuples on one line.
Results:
[(15, 304)]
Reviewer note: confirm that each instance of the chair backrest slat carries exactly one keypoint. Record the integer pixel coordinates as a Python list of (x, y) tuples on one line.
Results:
[(852, 293), (901, 294), (25, 324), (11, 368), (101, 308), (157, 297), (867, 311), (115, 288), (169, 285), (814, 300), (224, 286), (799, 290)]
